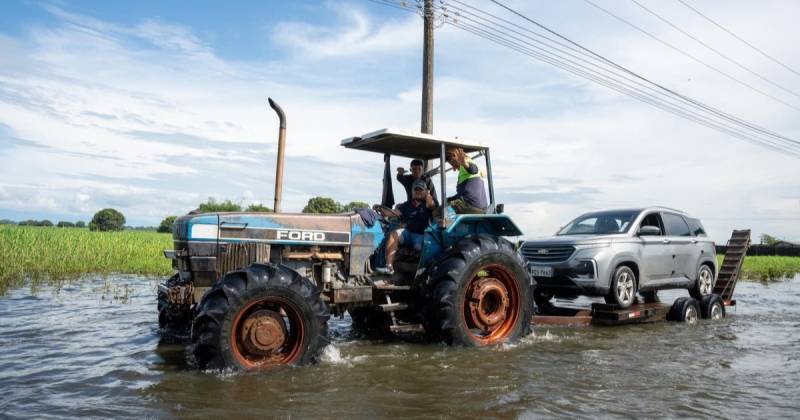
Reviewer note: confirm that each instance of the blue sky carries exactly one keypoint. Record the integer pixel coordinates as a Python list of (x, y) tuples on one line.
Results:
[(151, 107)]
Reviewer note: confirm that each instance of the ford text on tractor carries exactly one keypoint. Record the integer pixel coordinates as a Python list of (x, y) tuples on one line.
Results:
[(256, 290)]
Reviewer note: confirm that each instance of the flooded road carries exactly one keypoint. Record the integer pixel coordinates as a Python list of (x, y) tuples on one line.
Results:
[(92, 349)]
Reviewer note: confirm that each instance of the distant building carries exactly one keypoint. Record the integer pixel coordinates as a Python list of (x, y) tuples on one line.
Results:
[(787, 244)]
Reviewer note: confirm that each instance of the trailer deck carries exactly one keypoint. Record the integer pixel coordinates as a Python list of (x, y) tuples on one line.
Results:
[(602, 314)]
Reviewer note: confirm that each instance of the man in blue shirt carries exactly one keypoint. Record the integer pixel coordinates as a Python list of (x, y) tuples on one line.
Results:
[(416, 214)]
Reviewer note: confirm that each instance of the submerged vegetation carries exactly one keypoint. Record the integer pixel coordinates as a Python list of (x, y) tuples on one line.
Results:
[(53, 254)]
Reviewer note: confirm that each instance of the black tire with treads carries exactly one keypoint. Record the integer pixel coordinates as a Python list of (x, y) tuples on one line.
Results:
[(446, 285), (712, 306), (242, 289), (680, 309), (174, 322)]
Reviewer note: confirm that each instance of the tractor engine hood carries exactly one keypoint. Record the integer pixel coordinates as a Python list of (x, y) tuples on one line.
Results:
[(277, 228)]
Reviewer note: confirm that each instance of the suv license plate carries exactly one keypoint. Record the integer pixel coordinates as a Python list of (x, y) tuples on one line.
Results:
[(539, 271)]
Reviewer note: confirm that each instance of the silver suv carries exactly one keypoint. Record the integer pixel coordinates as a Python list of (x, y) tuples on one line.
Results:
[(617, 253)]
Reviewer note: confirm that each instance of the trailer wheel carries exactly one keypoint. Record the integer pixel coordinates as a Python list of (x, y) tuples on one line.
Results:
[(712, 307), (684, 309), (478, 294), (262, 316), (623, 287), (704, 284)]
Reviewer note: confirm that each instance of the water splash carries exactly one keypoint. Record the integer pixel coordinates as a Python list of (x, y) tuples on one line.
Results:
[(332, 355)]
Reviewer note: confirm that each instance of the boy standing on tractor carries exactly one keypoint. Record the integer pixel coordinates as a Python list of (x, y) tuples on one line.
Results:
[(417, 168), (417, 214)]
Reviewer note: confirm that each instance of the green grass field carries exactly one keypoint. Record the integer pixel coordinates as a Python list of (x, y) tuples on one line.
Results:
[(767, 267), (54, 254)]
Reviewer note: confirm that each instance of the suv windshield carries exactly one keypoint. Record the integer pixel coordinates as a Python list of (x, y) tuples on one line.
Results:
[(604, 223)]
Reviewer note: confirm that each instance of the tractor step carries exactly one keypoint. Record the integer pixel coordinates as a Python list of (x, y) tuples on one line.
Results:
[(407, 329), (393, 307), (383, 285)]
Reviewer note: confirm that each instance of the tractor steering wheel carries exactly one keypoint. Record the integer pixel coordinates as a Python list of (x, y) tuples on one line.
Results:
[(379, 207), (384, 219)]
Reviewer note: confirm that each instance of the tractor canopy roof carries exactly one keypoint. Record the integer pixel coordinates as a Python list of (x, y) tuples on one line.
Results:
[(412, 145)]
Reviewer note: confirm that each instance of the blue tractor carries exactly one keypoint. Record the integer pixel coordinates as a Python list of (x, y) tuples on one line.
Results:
[(255, 290)]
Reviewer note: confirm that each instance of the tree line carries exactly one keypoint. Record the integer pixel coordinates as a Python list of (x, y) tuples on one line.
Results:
[(110, 219), (325, 205), (43, 222)]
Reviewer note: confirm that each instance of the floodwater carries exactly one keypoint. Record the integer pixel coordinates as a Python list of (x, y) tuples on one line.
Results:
[(92, 349)]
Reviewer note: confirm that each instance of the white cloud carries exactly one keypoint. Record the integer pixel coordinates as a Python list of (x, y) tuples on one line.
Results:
[(356, 34), (148, 118)]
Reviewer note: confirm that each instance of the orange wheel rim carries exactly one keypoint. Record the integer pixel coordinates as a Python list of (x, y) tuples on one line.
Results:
[(267, 332), (491, 304)]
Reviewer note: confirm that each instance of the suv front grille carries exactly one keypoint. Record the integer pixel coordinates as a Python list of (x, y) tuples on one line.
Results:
[(547, 254)]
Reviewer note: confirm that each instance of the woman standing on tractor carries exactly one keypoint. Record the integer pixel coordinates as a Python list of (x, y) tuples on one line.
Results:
[(470, 193)]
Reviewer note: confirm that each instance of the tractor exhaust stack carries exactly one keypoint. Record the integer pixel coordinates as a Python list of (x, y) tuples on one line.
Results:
[(281, 147)]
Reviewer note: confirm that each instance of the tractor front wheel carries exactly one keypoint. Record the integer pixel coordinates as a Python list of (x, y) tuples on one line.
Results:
[(174, 321), (263, 316), (479, 294)]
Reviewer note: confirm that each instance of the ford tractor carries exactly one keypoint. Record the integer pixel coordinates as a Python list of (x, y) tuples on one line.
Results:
[(256, 290)]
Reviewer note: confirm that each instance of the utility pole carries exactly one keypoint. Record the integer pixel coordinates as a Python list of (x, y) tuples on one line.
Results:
[(427, 74)]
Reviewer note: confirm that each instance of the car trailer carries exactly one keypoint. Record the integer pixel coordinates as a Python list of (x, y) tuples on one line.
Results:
[(683, 309)]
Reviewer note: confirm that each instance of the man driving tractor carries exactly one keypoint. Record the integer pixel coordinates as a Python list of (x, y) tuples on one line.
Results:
[(417, 214)]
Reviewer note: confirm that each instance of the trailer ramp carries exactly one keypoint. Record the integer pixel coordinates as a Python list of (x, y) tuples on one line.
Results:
[(732, 265)]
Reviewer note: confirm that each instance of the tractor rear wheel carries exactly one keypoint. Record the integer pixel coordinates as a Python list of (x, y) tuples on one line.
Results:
[(259, 317), (479, 294)]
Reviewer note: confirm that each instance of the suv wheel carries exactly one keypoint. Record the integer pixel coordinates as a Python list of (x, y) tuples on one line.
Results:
[(704, 283), (623, 287)]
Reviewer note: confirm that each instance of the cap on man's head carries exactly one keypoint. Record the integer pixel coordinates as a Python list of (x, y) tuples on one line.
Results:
[(419, 184), (417, 162)]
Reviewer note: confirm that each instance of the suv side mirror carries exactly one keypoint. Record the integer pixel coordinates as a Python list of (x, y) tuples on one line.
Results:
[(649, 231)]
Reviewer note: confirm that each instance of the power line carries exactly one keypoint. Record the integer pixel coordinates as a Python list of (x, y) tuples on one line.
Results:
[(656, 95), (605, 60), (394, 5), (741, 66), (644, 98), (759, 50), (624, 88), (684, 53)]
